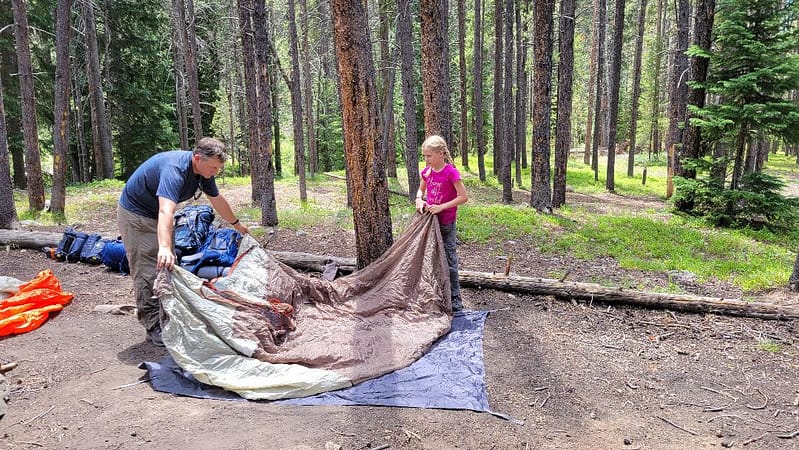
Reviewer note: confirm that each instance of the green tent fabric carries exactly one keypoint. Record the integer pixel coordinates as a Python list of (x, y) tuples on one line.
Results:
[(268, 332)]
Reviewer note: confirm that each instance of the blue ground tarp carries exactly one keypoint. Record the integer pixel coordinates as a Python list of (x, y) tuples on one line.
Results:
[(450, 376)]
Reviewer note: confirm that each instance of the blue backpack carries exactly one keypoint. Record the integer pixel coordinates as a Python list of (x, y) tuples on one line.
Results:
[(92, 251), (70, 245), (114, 256), (192, 227), (220, 249)]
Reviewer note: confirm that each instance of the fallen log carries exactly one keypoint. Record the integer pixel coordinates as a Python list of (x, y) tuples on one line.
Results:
[(511, 283)]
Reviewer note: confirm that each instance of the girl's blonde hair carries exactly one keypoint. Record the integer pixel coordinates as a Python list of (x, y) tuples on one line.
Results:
[(437, 143)]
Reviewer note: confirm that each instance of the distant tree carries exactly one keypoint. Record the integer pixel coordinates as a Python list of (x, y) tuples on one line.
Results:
[(30, 128), (435, 69), (636, 91), (368, 186), (388, 76), (678, 91), (478, 89), (296, 102), (541, 193), (599, 78), (754, 65), (101, 129), (498, 119), (407, 57), (520, 158), (508, 124), (463, 142), (563, 122), (613, 93), (184, 12), (307, 87), (61, 106), (657, 50), (8, 212)]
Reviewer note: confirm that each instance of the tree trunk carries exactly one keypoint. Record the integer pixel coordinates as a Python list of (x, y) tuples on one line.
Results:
[(296, 103), (613, 94), (639, 44), (8, 212), (407, 58), (520, 159), (310, 118), (266, 200), (188, 35), (30, 128), (541, 194), (678, 88), (599, 132), (793, 281), (103, 154), (435, 69), (8, 61), (563, 121), (463, 142), (478, 89), (365, 167), (181, 102), (508, 140), (654, 143), (592, 71), (388, 76), (61, 107), (247, 34), (499, 113)]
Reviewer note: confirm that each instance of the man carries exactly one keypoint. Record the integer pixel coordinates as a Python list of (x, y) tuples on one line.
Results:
[(145, 216)]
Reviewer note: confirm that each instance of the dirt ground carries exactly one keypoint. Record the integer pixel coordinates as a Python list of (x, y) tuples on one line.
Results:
[(579, 375)]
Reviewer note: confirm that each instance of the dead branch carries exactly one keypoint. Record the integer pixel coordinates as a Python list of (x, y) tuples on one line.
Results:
[(7, 367), (789, 435), (677, 426), (765, 402), (754, 439)]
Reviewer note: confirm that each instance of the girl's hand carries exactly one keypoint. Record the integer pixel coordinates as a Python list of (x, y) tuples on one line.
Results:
[(434, 209), (420, 205)]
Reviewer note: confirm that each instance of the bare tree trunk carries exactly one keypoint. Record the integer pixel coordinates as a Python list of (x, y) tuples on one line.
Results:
[(639, 44), (405, 42), (8, 212), (478, 89), (365, 167), (181, 102), (247, 34), (388, 75), (563, 121), (508, 111), (310, 118), (103, 156), (435, 69), (296, 103), (592, 74), (8, 60), (654, 144), (598, 133), (541, 194), (61, 107), (521, 89), (463, 144), (30, 128), (499, 113), (188, 35), (83, 163), (678, 88), (613, 94)]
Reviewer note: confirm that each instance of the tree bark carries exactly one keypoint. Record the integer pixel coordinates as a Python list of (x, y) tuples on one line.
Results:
[(30, 128), (61, 107), (407, 58), (508, 141), (463, 142), (639, 44), (103, 154), (435, 69), (184, 10), (8, 212), (613, 94), (310, 119), (541, 194), (498, 122), (563, 121), (478, 89), (365, 165), (678, 88), (296, 103)]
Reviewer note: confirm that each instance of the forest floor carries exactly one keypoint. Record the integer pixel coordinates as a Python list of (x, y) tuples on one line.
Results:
[(579, 375)]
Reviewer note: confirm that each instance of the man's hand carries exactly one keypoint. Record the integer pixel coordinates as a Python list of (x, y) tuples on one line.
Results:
[(166, 258), (241, 228)]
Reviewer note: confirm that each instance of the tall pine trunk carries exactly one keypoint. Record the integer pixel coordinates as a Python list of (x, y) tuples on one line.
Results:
[(61, 106), (368, 186), (407, 57), (541, 195), (563, 121)]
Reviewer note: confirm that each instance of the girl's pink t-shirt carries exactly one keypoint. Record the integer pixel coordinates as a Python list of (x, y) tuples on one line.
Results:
[(441, 189)]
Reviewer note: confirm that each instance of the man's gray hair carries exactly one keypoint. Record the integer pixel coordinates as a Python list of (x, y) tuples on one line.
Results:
[(208, 147)]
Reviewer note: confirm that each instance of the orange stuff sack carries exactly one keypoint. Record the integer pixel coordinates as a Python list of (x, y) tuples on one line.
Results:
[(30, 307)]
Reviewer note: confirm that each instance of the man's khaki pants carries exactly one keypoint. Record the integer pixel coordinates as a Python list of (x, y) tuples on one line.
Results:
[(140, 237)]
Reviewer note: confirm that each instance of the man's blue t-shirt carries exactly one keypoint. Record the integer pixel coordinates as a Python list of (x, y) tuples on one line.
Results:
[(168, 175)]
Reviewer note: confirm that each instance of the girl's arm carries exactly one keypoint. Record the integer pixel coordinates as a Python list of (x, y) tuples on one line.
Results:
[(420, 203)]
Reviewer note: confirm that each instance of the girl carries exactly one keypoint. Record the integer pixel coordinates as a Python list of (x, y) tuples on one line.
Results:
[(442, 183)]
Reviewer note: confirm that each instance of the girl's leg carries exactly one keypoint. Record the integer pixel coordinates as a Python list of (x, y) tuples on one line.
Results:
[(450, 248)]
